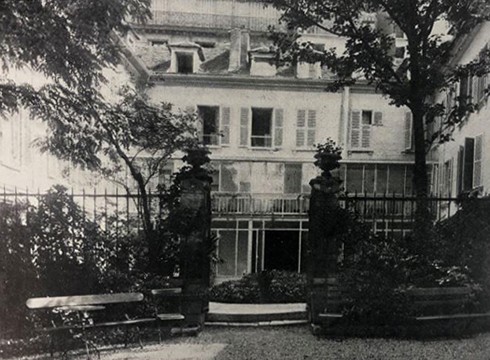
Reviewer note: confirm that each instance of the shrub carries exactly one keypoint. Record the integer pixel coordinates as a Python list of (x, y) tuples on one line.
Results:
[(265, 287)]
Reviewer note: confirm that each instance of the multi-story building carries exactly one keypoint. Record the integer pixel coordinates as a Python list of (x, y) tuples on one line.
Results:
[(462, 163), (262, 123)]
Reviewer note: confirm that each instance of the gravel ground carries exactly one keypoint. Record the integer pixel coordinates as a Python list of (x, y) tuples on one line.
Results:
[(297, 343)]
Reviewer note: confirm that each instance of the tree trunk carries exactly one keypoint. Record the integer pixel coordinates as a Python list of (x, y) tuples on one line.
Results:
[(423, 220), (420, 168), (151, 235)]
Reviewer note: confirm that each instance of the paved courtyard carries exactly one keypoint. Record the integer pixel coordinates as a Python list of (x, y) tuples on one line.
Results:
[(271, 343)]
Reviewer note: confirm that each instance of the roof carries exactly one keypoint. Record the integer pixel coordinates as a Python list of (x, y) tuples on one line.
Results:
[(214, 55)]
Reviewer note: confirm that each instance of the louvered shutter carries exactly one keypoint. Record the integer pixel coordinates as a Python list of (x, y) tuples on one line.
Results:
[(310, 139), (408, 131), (300, 128), (225, 126), (355, 129), (378, 118), (278, 127), (450, 178), (477, 164), (366, 136), (244, 115)]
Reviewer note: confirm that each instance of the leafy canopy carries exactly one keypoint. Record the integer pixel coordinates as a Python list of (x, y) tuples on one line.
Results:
[(370, 52), (69, 42)]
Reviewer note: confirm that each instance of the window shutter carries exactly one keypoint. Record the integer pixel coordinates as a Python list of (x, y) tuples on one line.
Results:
[(477, 164), (310, 139), (408, 131), (244, 115), (355, 129), (225, 126), (378, 118), (460, 166), (469, 151), (300, 128), (366, 136), (278, 126)]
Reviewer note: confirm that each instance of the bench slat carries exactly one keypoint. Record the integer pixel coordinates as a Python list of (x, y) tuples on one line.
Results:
[(454, 316), (170, 317), (166, 292), (330, 316), (50, 302), (439, 291), (125, 322)]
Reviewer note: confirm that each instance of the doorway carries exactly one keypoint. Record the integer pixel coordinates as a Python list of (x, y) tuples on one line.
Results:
[(281, 250)]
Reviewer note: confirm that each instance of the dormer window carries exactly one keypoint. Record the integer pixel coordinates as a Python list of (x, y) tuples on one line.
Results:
[(262, 62), (185, 62), (186, 57)]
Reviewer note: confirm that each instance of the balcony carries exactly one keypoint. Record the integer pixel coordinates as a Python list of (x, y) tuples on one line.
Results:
[(260, 204), (212, 14)]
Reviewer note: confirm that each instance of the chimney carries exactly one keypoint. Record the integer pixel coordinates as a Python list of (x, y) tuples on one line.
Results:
[(239, 47)]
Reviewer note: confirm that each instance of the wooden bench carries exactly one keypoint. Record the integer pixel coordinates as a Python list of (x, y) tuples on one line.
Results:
[(172, 295), (82, 307), (452, 303), (444, 306)]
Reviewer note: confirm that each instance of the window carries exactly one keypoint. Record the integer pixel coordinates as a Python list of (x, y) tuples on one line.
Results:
[(305, 128), (360, 128), (185, 62), (165, 174), (215, 175), (210, 123), (292, 178), (447, 177), (261, 127), (377, 178), (469, 156), (465, 89), (408, 132), (11, 140)]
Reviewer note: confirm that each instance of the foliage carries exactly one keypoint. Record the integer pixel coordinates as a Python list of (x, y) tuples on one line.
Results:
[(463, 241), (67, 42), (376, 270), (328, 155), (17, 282), (266, 287), (46, 250), (369, 55)]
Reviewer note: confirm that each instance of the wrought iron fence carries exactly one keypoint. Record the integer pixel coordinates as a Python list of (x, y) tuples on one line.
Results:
[(392, 213)]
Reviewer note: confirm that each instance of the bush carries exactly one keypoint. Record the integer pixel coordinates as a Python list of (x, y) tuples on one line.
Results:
[(265, 287)]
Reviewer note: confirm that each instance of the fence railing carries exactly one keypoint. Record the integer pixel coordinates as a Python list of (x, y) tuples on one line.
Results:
[(385, 213)]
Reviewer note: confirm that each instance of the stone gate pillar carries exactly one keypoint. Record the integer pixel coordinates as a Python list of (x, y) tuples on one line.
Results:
[(323, 246), (195, 210)]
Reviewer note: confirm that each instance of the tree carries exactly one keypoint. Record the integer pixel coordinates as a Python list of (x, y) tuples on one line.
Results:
[(127, 137), (370, 51), (68, 42)]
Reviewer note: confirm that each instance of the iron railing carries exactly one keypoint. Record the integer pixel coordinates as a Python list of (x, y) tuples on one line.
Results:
[(385, 213)]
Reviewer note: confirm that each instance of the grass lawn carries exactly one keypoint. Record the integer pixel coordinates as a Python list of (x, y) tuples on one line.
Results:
[(270, 343)]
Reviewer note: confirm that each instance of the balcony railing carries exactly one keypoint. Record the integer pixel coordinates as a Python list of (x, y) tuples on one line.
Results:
[(369, 206), (222, 14), (246, 204)]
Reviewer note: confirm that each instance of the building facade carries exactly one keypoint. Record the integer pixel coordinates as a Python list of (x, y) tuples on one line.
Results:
[(463, 164), (262, 122)]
